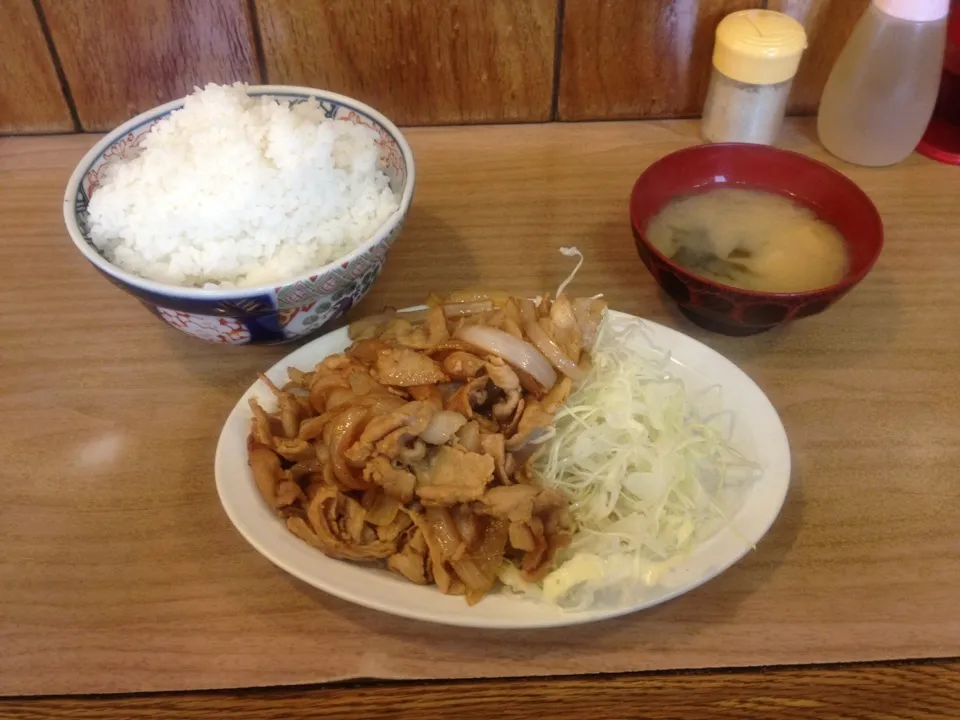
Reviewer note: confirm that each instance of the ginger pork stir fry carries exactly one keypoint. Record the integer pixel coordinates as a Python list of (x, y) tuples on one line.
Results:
[(411, 448)]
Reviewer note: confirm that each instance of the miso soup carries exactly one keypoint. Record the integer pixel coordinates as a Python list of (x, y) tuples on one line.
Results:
[(750, 239)]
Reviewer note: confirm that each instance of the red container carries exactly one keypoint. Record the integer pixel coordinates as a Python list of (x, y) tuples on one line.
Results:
[(941, 141), (729, 310)]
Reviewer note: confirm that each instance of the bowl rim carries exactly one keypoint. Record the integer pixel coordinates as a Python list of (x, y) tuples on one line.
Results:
[(188, 292), (843, 285)]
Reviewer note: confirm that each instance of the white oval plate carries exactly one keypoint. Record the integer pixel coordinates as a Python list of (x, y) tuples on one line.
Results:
[(757, 431)]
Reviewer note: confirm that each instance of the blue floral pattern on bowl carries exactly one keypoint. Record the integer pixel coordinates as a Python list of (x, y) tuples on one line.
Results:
[(265, 314)]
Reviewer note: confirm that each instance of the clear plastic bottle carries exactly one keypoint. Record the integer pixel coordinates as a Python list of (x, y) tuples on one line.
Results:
[(883, 88)]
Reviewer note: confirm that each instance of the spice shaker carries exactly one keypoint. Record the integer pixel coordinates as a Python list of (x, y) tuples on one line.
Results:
[(755, 58)]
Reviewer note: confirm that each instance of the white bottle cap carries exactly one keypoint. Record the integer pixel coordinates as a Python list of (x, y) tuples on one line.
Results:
[(914, 10)]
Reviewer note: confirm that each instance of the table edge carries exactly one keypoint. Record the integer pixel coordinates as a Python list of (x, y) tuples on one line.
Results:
[(921, 688)]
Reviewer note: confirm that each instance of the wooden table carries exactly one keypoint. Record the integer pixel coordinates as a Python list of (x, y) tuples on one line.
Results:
[(119, 573)]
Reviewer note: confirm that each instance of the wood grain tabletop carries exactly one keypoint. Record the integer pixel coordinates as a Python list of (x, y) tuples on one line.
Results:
[(902, 691), (119, 572)]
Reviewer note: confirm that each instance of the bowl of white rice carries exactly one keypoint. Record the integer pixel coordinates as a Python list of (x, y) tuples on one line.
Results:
[(244, 214)]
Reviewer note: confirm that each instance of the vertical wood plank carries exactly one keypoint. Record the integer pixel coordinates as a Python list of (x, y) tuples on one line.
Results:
[(829, 24), (420, 62), (122, 57), (638, 58), (31, 99)]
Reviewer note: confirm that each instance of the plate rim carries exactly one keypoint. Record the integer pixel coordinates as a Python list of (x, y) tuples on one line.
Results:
[(551, 618)]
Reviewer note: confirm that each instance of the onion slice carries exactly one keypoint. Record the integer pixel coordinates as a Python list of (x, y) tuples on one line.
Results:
[(518, 353), (463, 309), (413, 316), (374, 324), (528, 310), (552, 351), (589, 313), (443, 426)]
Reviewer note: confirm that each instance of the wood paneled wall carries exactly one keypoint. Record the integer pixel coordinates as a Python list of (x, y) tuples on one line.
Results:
[(91, 64), (31, 96), (418, 61)]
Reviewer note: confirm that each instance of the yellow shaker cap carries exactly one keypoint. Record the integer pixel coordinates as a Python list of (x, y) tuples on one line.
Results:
[(759, 47)]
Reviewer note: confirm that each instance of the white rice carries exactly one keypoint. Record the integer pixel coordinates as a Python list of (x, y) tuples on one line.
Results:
[(240, 191)]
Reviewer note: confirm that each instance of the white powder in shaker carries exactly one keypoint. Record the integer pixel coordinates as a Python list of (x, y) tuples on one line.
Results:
[(741, 112)]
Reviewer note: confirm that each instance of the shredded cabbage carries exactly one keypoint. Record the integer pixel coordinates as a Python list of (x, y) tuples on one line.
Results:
[(649, 468)]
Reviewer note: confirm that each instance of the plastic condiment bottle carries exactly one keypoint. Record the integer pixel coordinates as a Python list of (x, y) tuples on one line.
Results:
[(755, 57), (883, 88)]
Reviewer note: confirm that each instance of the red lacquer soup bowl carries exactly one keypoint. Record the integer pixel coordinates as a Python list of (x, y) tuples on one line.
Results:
[(722, 308)]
